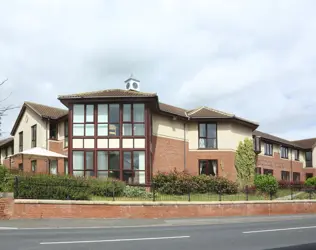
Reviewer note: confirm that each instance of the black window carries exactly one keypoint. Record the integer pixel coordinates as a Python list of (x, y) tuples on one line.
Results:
[(268, 149), (268, 171), (296, 177), (296, 154), (308, 156), (309, 175), (21, 141), (257, 170), (33, 166), (53, 131), (207, 135), (285, 175), (33, 135), (208, 167), (66, 134), (284, 152)]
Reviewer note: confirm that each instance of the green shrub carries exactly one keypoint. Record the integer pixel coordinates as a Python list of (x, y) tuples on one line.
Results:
[(266, 184), (311, 181), (224, 186), (136, 192), (106, 187), (6, 180)]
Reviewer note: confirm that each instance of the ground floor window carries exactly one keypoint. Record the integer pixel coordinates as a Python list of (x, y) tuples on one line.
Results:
[(268, 171), (285, 175), (66, 166), (208, 167), (309, 175), (83, 163), (53, 167), (20, 167), (257, 170), (33, 166), (296, 177)]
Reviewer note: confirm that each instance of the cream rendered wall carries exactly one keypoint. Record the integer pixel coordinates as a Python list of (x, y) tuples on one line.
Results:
[(2, 155), (166, 127), (29, 119), (313, 157)]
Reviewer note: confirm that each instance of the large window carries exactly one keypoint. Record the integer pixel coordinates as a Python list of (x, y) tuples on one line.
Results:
[(53, 165), (268, 149), (33, 136), (284, 152), (267, 171), (21, 141), (285, 175), (83, 120), (308, 159), (133, 120), (296, 177), (296, 154), (208, 135), (208, 167), (83, 163), (33, 166), (66, 134)]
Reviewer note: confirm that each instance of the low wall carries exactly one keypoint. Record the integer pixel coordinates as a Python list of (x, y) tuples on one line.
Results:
[(6, 206), (100, 209)]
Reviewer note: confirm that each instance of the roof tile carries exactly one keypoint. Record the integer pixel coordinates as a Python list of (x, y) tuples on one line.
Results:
[(306, 143), (47, 111)]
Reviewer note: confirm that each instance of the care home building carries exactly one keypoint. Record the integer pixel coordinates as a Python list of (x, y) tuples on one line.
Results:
[(130, 135)]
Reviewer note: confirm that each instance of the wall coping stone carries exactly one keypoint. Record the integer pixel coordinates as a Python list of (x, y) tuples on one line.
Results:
[(6, 195), (156, 203)]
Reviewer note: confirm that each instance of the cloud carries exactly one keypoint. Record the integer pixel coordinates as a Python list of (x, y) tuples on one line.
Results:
[(252, 58)]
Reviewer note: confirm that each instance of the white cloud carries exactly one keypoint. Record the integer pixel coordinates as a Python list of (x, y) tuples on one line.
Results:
[(253, 58)]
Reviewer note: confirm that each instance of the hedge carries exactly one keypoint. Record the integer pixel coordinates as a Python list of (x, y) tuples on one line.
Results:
[(266, 184), (179, 183)]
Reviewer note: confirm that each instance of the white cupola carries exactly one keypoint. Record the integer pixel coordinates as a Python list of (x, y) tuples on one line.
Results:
[(132, 84)]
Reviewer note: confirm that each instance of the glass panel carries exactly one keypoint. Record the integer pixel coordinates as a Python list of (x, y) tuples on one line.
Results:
[(139, 177), (89, 113), (102, 113), (89, 129), (78, 130), (89, 173), (114, 174), (211, 130), (78, 173), (139, 129), (103, 174), (66, 167), (128, 176), (211, 143), (102, 129), (139, 160), (139, 112), (78, 113), (127, 129), (114, 162), (114, 130), (127, 112), (53, 167), (212, 164), (89, 160), (102, 160), (203, 167), (78, 160), (202, 143), (202, 130), (127, 164), (114, 113)]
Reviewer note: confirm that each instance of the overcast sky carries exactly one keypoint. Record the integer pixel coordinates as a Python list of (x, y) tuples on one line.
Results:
[(256, 59)]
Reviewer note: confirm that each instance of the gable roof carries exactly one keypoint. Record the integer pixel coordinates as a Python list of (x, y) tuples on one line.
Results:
[(306, 143), (275, 139), (44, 111), (172, 109), (5, 141)]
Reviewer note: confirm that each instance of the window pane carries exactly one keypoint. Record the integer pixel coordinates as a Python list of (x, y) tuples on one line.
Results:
[(211, 130), (202, 130), (114, 130), (139, 129), (102, 174), (139, 177), (203, 167), (114, 174), (78, 113), (114, 113), (89, 113), (202, 143), (127, 164), (102, 129), (128, 176), (53, 167), (211, 143), (78, 173), (89, 129), (102, 160), (78, 130), (139, 112), (139, 160), (89, 160), (127, 129), (127, 109), (114, 160), (102, 113), (78, 160), (89, 173), (66, 167)]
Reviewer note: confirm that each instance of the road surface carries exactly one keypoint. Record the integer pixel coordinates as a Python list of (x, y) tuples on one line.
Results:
[(255, 233)]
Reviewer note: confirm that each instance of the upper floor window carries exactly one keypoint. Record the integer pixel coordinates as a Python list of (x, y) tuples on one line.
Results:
[(133, 120), (296, 154), (83, 120), (268, 149), (33, 136), (21, 141), (308, 155), (284, 152), (207, 135), (53, 130), (66, 134)]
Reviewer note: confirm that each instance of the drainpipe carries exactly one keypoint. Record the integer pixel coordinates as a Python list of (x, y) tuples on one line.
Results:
[(184, 149), (291, 177)]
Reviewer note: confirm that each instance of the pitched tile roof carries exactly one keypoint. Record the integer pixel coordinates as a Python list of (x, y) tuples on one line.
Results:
[(306, 143), (172, 109), (275, 139), (108, 93), (206, 112), (46, 111), (5, 141)]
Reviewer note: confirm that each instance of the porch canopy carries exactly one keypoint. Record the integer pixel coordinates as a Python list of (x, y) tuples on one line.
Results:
[(40, 152)]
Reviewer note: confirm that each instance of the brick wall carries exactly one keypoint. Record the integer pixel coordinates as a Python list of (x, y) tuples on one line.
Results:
[(76, 209), (6, 208)]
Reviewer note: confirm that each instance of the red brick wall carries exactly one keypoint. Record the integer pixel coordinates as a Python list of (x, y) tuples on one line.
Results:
[(6, 208), (50, 210)]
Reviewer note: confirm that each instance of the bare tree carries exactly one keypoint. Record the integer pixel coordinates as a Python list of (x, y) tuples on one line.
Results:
[(4, 108)]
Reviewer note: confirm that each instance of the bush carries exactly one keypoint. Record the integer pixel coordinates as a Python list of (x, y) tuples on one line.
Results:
[(106, 187), (137, 192), (289, 184), (6, 180), (266, 184), (311, 181)]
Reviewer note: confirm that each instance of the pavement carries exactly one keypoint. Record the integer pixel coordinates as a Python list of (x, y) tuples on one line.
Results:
[(238, 233)]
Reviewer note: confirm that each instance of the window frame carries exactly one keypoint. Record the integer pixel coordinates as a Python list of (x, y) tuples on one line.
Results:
[(66, 134), (33, 166), (33, 136), (311, 155), (21, 141), (258, 171), (296, 156), (269, 146), (206, 136), (286, 152), (270, 171), (285, 175), (297, 174), (56, 126), (208, 164), (85, 162)]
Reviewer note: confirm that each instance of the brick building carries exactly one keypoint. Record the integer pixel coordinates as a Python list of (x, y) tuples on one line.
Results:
[(130, 135)]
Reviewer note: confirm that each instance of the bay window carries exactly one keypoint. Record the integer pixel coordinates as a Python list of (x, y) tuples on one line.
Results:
[(208, 135)]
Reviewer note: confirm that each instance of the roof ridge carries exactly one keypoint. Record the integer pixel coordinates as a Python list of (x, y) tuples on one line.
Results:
[(30, 103), (218, 111), (193, 111)]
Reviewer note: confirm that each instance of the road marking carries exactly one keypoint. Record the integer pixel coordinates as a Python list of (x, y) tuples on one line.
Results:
[(279, 229), (8, 228), (113, 240)]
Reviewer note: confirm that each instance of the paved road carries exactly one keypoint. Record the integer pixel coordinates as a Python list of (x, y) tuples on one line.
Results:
[(257, 233)]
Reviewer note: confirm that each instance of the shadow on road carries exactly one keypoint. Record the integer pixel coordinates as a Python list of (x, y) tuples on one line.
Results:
[(310, 246)]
